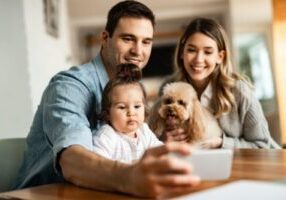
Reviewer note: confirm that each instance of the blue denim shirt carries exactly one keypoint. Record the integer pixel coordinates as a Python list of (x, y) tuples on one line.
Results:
[(63, 118)]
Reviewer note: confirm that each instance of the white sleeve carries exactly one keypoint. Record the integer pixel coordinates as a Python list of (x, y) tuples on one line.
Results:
[(103, 144), (153, 141)]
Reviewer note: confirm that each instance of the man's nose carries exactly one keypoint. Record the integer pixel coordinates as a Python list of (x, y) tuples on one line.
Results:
[(136, 48)]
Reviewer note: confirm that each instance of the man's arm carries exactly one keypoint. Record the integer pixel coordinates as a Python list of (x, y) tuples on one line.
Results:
[(155, 175), (87, 169)]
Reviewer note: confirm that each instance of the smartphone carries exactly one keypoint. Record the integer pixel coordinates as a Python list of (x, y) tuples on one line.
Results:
[(211, 164)]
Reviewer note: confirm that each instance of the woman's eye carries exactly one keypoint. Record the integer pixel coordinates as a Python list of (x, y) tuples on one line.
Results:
[(191, 50)]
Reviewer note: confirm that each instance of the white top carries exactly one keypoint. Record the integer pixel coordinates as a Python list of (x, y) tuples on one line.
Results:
[(117, 146)]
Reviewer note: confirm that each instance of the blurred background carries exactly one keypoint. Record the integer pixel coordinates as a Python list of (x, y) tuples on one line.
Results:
[(39, 38)]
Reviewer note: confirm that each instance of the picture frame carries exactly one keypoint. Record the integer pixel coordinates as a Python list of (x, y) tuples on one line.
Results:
[(51, 15)]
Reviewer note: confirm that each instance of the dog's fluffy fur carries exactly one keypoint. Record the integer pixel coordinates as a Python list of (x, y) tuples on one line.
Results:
[(179, 106)]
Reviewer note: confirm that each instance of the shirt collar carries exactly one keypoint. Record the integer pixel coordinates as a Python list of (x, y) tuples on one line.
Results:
[(100, 70), (207, 96)]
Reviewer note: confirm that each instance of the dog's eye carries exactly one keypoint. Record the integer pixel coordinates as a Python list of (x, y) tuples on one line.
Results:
[(168, 101), (180, 102)]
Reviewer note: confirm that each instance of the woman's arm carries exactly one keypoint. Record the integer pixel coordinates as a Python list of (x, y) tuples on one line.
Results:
[(253, 131)]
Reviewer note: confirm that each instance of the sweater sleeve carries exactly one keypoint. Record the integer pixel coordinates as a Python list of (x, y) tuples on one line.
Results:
[(254, 130), (232, 142)]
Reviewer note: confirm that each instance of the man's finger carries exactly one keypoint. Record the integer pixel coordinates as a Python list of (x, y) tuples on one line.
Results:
[(167, 148), (169, 164), (177, 180)]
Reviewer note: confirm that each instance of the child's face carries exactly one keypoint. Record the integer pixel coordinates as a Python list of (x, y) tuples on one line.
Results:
[(200, 57), (127, 110)]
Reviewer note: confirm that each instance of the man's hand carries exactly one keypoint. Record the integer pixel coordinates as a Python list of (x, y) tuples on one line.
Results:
[(176, 135), (158, 174)]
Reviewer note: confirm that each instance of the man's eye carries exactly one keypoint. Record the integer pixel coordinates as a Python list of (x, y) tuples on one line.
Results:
[(127, 39), (147, 42)]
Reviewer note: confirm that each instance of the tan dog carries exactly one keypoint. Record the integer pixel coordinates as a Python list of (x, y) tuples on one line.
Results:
[(179, 107)]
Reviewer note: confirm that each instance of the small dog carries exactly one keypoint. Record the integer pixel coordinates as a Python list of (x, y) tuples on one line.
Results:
[(179, 107)]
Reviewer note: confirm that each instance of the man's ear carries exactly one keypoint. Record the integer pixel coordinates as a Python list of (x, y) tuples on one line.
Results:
[(104, 37)]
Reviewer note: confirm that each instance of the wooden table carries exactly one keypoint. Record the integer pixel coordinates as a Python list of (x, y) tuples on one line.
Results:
[(269, 165)]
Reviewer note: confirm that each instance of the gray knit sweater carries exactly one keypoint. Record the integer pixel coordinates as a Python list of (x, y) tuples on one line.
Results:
[(245, 126)]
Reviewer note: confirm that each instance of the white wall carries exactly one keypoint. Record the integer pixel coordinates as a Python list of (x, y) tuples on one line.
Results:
[(246, 17), (46, 54), (251, 16), (15, 101), (29, 57)]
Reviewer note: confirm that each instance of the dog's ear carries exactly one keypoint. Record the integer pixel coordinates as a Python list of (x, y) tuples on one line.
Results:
[(154, 120), (196, 129)]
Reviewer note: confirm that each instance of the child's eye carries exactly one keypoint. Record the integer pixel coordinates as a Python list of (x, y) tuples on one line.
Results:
[(138, 106), (121, 107)]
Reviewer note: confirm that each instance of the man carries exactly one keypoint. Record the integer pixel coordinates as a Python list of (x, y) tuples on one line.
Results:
[(60, 140)]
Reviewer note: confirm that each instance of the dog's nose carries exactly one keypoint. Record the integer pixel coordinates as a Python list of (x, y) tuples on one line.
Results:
[(171, 112)]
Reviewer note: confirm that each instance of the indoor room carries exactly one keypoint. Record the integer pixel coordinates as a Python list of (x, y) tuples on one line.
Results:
[(40, 38)]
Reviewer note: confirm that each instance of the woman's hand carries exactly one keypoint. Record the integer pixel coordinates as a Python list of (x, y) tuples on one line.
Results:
[(176, 135), (179, 135), (211, 143)]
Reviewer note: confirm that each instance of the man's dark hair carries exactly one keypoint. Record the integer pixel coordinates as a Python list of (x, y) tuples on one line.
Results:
[(127, 8)]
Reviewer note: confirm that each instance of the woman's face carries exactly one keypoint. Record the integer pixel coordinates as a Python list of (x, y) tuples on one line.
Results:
[(200, 56)]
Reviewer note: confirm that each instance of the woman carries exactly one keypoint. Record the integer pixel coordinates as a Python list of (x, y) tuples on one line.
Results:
[(202, 59)]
